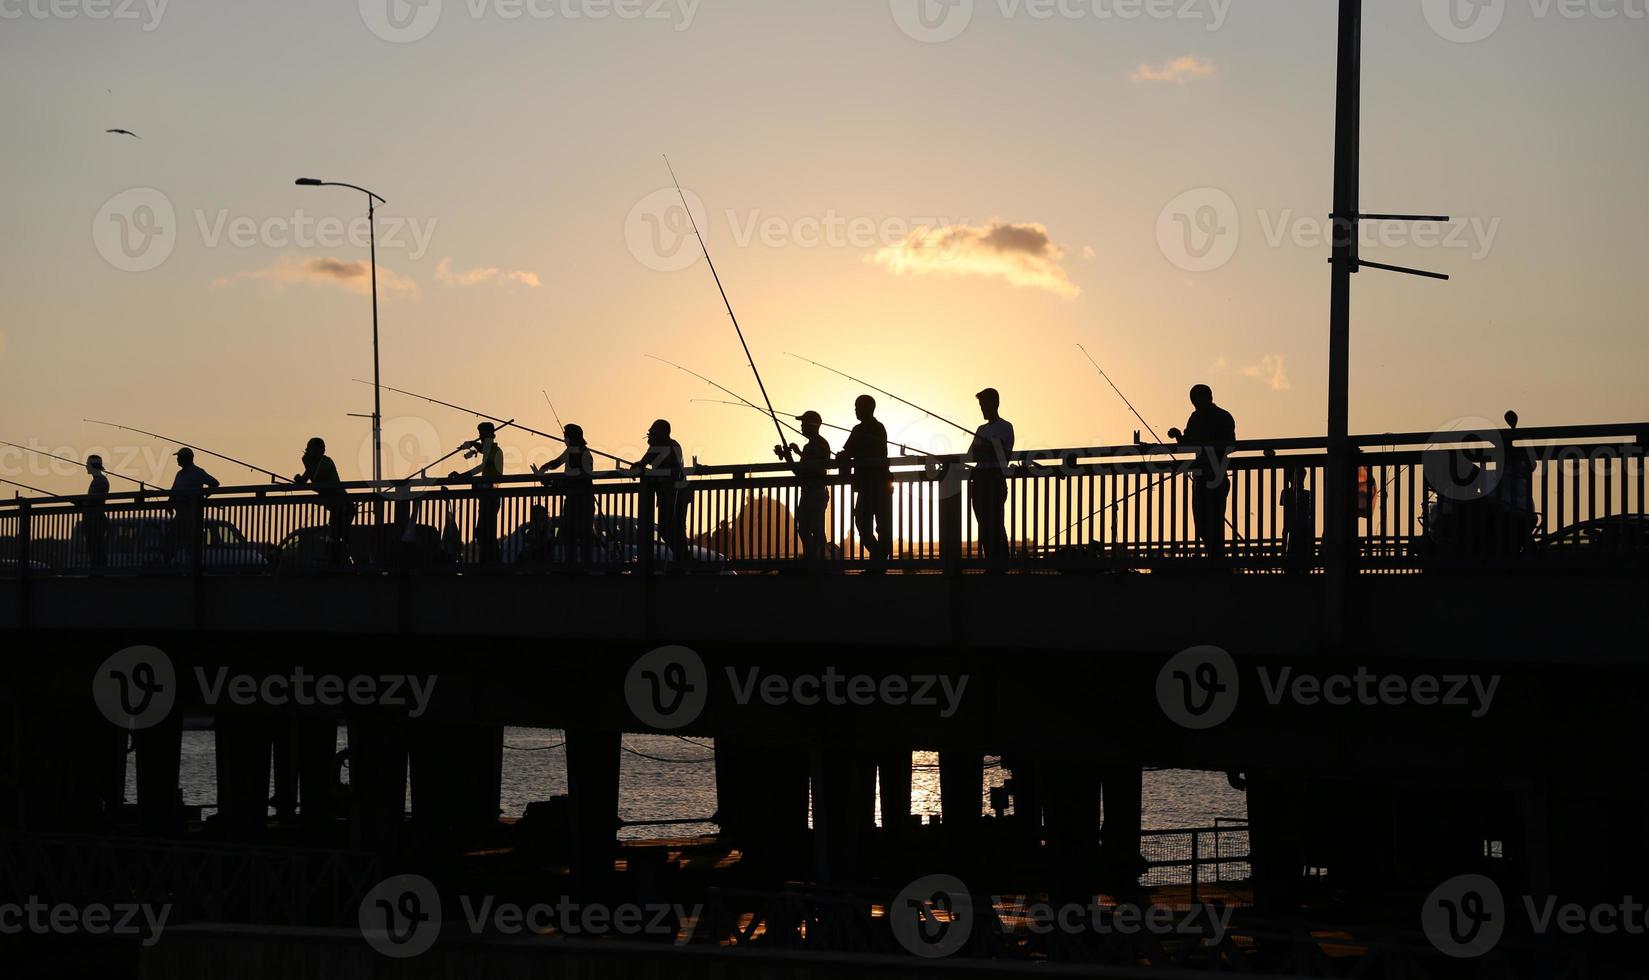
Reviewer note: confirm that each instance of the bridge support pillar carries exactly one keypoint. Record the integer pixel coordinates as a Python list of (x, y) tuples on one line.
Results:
[(961, 791), (1122, 864), (159, 751), (457, 771), (378, 783), (592, 785), (1071, 795), (314, 744), (844, 813), (893, 780), (761, 805), (243, 744), (1275, 842)]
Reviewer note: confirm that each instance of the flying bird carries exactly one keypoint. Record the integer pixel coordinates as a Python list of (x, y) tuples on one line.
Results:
[(124, 132)]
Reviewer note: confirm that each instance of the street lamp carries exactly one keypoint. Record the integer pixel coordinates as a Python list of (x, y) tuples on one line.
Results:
[(372, 200)]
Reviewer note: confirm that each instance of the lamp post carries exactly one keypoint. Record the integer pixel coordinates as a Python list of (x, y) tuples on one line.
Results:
[(372, 200)]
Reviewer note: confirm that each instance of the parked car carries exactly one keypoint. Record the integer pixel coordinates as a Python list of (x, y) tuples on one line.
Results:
[(306, 548), (131, 542), (1623, 537), (614, 544)]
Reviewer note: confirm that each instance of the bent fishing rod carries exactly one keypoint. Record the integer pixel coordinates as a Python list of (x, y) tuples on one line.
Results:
[(1120, 395), (839, 428), (142, 484), (492, 418), (179, 442), (884, 391), (783, 442), (470, 446)]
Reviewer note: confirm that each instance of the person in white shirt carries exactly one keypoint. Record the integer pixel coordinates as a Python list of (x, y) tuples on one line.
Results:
[(991, 450)]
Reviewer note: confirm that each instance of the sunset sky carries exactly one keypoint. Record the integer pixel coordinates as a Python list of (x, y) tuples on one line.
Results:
[(935, 214)]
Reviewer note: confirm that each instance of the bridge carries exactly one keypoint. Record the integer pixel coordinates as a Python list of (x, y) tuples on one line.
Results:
[(1486, 559)]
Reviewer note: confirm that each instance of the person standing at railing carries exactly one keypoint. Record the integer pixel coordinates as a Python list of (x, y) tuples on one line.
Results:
[(663, 469), (321, 473), (1299, 518), (813, 462), (990, 452), (486, 474), (1214, 431), (576, 534), (866, 450), (188, 503), (94, 520)]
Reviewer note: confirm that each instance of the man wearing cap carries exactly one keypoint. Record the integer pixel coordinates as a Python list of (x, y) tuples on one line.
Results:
[(576, 533), (95, 522), (188, 502), (866, 449), (321, 473), (991, 449), (814, 460), (486, 473)]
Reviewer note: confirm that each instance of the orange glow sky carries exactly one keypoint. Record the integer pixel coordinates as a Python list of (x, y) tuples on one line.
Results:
[(528, 150)]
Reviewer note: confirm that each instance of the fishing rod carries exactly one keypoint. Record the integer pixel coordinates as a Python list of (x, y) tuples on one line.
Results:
[(828, 425), (179, 442), (558, 423), (1120, 395), (471, 446), (783, 442), (64, 459), (492, 418), (25, 486), (884, 391)]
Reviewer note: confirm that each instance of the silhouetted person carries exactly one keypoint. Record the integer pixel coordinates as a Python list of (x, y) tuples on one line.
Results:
[(1299, 508), (94, 521), (992, 447), (866, 451), (813, 464), (188, 503), (577, 529), (486, 474), (321, 473), (663, 469), (538, 545), (1213, 430)]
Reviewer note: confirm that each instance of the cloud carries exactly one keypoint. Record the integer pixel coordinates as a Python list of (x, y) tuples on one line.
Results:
[(1089, 253), (482, 274), (1179, 70), (1219, 365), (1020, 253), (355, 276), (1271, 371)]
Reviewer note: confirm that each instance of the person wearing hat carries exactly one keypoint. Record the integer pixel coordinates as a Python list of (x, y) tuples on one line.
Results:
[(814, 460), (321, 473), (485, 473), (188, 502), (95, 522), (576, 532), (991, 449), (663, 469), (1213, 430)]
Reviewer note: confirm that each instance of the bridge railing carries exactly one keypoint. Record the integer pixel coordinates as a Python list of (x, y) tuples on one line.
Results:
[(1571, 495)]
